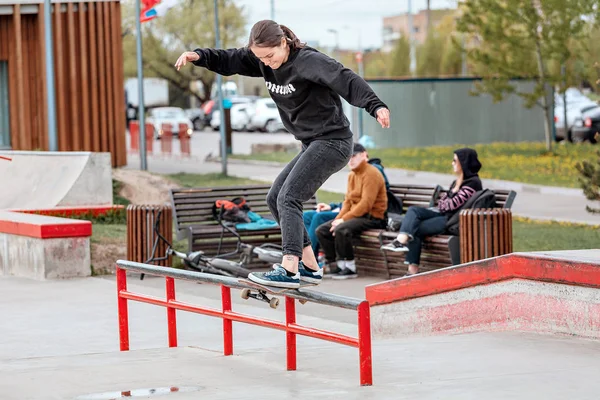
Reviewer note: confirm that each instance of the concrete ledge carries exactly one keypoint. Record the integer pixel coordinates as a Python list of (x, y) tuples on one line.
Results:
[(573, 268), (514, 305), (543, 292), (43, 227), (41, 247)]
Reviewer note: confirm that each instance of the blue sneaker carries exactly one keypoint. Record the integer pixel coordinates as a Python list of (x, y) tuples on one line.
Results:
[(277, 277), (308, 275)]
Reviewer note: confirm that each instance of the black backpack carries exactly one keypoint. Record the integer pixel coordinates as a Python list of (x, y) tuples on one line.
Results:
[(234, 210), (394, 212), (485, 198)]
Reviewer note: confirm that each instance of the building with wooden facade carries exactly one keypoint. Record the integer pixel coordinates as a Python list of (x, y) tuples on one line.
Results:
[(88, 76)]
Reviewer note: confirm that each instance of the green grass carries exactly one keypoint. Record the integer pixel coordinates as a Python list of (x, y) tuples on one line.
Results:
[(521, 162), (109, 232), (529, 235)]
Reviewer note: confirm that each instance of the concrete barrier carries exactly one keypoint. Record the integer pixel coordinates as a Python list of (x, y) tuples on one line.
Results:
[(41, 247), (544, 292)]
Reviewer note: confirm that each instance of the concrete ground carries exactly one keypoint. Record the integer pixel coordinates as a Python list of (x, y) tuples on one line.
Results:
[(59, 340)]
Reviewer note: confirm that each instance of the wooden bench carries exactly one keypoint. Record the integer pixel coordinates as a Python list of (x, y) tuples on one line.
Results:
[(192, 214), (437, 251), (370, 260)]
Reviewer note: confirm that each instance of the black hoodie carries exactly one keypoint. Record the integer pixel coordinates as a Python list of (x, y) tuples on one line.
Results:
[(451, 202), (306, 89)]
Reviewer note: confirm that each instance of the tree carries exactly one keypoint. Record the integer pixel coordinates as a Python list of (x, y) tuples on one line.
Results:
[(400, 58), (591, 49), (188, 25), (452, 58), (590, 181), (590, 176), (429, 55), (453, 47), (376, 64), (520, 38)]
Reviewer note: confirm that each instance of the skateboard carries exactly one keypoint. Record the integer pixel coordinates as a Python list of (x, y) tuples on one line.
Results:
[(260, 292)]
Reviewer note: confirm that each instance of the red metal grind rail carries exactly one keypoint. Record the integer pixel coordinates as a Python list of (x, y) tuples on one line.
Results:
[(362, 342)]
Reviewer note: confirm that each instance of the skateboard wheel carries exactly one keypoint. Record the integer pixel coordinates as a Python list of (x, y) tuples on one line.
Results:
[(245, 294), (302, 301), (274, 302)]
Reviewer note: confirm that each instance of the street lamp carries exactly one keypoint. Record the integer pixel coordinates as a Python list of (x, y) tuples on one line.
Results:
[(411, 39)]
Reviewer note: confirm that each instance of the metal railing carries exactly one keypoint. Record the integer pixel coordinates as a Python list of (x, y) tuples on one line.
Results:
[(362, 341)]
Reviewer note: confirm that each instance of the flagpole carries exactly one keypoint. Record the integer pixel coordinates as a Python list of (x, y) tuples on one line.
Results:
[(220, 95), (50, 89), (140, 78)]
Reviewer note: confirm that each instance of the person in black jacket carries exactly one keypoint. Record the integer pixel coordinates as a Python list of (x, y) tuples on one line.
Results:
[(420, 222), (306, 86)]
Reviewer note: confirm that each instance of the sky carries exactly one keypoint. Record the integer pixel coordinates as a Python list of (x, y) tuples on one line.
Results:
[(353, 19)]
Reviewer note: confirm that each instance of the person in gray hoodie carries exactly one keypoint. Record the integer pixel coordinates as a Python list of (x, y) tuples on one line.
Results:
[(420, 222), (306, 86)]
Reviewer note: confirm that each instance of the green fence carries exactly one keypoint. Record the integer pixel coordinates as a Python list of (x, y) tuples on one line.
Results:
[(427, 112)]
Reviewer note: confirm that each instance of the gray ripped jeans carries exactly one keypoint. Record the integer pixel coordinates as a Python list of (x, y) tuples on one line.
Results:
[(298, 182)]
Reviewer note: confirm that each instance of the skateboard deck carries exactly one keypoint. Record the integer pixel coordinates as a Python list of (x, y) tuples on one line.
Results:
[(274, 289), (262, 290)]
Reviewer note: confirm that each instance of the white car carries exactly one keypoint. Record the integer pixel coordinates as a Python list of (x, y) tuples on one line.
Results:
[(169, 115), (239, 117), (265, 116)]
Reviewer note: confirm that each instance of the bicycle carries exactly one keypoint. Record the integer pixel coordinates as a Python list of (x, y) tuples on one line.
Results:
[(198, 261)]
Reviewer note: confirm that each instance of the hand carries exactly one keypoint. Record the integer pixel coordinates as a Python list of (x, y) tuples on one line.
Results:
[(383, 117), (185, 57), (323, 207), (334, 224)]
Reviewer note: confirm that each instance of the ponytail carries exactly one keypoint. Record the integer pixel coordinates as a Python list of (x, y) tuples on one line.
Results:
[(268, 33), (291, 37)]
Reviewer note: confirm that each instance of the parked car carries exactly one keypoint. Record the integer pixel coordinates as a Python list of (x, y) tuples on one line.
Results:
[(169, 115), (196, 115), (577, 104), (588, 127), (211, 106), (239, 117), (264, 116)]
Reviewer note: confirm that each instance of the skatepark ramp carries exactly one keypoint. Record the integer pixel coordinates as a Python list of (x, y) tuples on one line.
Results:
[(553, 292), (43, 180), (291, 328)]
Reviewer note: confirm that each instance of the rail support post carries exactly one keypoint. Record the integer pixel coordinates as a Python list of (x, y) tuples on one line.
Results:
[(290, 337), (364, 344)]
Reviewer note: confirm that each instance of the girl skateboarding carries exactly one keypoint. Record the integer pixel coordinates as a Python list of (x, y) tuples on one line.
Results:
[(306, 86)]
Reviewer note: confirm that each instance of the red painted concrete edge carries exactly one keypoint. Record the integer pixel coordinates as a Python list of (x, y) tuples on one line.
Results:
[(69, 211), (483, 272), (47, 230)]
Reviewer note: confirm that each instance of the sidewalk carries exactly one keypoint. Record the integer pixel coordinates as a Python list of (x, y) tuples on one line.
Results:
[(532, 201)]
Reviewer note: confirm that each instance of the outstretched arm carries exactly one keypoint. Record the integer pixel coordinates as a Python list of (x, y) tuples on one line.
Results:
[(319, 68), (225, 62)]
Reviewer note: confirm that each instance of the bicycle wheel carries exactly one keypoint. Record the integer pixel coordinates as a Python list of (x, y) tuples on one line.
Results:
[(202, 266), (229, 266)]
